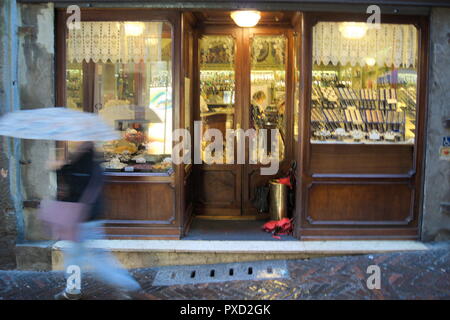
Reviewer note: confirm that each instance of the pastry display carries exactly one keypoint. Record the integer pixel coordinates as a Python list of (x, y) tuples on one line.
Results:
[(131, 154), (140, 160), (135, 137), (163, 166), (142, 167), (122, 145), (114, 164), (125, 156)]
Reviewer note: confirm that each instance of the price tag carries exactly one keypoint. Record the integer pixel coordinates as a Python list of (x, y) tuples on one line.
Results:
[(391, 101)]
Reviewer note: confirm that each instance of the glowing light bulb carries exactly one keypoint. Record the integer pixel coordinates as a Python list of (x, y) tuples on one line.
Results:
[(134, 28), (246, 18), (370, 61), (353, 30)]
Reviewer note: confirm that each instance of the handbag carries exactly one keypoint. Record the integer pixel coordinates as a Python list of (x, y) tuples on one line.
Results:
[(64, 218)]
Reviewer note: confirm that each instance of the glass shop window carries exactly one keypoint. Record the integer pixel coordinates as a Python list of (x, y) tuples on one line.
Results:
[(123, 72), (364, 83)]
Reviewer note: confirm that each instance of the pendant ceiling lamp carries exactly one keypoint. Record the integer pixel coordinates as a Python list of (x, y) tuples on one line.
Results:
[(246, 18)]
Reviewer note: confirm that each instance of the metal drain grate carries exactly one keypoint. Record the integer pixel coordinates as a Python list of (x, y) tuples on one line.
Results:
[(260, 270)]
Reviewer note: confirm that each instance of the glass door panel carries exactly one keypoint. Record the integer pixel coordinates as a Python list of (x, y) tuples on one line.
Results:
[(268, 94), (217, 90)]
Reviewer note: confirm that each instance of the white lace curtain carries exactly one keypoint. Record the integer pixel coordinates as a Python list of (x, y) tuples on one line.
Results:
[(103, 41), (390, 45)]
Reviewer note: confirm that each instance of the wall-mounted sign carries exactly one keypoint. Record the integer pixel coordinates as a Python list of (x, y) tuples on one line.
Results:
[(446, 141)]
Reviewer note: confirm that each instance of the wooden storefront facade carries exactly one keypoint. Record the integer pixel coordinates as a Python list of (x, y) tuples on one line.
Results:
[(343, 191)]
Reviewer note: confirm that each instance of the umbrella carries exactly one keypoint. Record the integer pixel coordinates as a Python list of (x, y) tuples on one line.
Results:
[(60, 124)]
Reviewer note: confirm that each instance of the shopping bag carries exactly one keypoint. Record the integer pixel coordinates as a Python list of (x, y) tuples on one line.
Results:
[(63, 217)]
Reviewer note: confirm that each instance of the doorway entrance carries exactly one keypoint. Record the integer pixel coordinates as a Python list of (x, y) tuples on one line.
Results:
[(245, 80)]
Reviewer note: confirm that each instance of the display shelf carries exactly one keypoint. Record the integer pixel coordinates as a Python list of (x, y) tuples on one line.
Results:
[(139, 174), (366, 142), (384, 110)]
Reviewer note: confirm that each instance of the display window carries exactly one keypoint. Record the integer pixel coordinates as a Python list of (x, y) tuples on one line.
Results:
[(122, 70), (364, 83)]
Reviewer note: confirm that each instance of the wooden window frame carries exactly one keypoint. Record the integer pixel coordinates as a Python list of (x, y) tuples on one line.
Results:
[(307, 228)]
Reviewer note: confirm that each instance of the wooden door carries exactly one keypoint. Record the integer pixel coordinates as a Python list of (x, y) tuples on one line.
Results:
[(218, 106), (268, 56), (229, 189)]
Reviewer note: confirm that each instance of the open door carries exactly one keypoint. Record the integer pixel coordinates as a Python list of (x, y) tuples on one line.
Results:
[(243, 71), (219, 103), (187, 113)]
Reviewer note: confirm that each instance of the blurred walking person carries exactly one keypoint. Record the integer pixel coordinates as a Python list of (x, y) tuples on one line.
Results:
[(75, 214), (80, 180)]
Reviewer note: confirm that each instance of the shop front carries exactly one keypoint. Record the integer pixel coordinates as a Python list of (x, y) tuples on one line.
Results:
[(344, 100)]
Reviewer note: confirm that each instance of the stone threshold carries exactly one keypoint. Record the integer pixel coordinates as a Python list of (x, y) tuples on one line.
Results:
[(223, 246), (153, 253)]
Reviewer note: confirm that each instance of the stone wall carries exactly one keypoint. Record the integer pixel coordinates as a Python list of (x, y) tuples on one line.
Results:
[(27, 84), (436, 217), (36, 66), (8, 230)]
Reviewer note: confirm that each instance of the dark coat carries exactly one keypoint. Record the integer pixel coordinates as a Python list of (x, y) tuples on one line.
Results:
[(257, 118), (74, 177)]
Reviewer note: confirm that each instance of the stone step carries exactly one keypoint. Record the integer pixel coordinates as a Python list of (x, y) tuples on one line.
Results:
[(151, 253)]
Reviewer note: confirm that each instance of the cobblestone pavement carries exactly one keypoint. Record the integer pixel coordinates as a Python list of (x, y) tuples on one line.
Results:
[(410, 275)]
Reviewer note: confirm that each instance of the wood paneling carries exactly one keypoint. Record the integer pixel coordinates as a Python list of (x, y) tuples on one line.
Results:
[(140, 198), (360, 204), (360, 233), (140, 206), (272, 18), (361, 159), (218, 188), (320, 5), (186, 118)]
